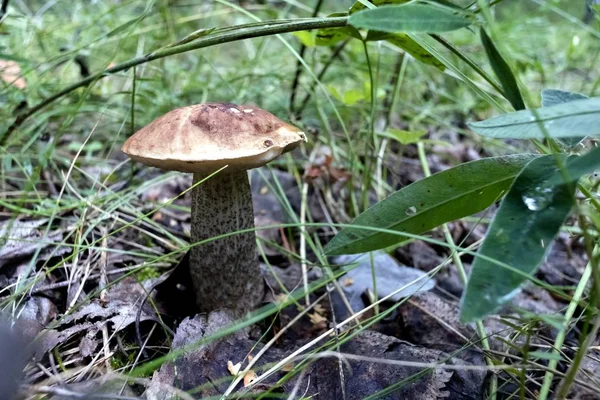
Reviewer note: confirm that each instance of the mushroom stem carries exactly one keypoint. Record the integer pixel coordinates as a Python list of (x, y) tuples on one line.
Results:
[(225, 272)]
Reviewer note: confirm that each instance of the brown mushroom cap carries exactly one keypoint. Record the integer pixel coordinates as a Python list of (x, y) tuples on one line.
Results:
[(205, 137)]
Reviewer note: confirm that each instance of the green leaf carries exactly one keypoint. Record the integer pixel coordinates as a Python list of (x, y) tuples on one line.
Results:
[(331, 36), (358, 6), (126, 25), (307, 38), (423, 205), (520, 235), (574, 119), (404, 137), (552, 97), (408, 18), (408, 45), (503, 72)]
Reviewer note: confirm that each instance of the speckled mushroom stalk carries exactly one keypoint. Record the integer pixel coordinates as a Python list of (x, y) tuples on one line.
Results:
[(202, 139), (225, 272)]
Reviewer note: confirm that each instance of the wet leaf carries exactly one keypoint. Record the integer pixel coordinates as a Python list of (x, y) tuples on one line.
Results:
[(503, 72), (407, 44), (552, 97), (430, 202), (408, 18), (520, 235), (573, 119)]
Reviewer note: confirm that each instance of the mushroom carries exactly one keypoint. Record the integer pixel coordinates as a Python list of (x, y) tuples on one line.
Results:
[(202, 139)]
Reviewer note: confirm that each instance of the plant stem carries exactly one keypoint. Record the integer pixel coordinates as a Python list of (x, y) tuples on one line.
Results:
[(230, 36), (299, 64), (463, 277)]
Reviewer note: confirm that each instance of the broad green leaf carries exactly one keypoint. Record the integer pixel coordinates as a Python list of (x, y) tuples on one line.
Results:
[(520, 235), (552, 97), (503, 72), (358, 6), (574, 119), (404, 137), (408, 18), (423, 205), (408, 45), (353, 96), (331, 36)]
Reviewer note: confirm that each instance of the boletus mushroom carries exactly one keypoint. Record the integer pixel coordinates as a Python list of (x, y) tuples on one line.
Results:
[(202, 139)]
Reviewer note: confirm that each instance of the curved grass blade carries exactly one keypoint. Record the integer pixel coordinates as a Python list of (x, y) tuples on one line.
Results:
[(528, 220), (430, 202), (503, 72), (408, 18), (573, 119)]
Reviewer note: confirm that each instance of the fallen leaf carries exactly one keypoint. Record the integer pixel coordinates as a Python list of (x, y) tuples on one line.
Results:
[(287, 367), (249, 377), (233, 369), (316, 318), (20, 239), (10, 72)]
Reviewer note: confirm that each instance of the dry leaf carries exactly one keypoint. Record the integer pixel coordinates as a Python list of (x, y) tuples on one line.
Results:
[(249, 377), (319, 309), (10, 72), (233, 369), (316, 318), (287, 367)]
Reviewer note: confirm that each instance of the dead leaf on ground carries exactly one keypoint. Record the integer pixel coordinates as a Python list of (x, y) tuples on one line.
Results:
[(119, 313), (249, 377), (316, 318), (233, 369), (22, 238)]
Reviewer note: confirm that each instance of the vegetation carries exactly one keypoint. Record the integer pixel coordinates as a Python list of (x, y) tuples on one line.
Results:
[(465, 130)]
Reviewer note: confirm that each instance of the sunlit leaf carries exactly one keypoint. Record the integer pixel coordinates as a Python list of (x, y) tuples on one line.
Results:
[(523, 228), (408, 45), (423, 205), (408, 18), (308, 38), (573, 119)]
